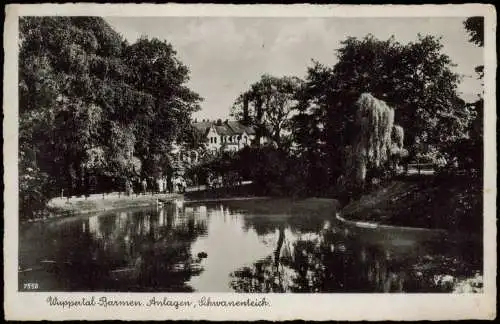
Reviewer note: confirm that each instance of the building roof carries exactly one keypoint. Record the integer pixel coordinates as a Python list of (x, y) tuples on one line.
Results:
[(227, 128), (223, 129), (239, 128), (202, 127)]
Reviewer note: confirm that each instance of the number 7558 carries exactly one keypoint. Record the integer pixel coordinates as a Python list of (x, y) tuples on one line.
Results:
[(30, 285)]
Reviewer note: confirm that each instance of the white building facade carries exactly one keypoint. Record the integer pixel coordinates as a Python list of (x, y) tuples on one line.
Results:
[(227, 136)]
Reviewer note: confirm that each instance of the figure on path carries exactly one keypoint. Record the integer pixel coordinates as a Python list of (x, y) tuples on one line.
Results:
[(165, 184), (159, 183), (128, 187)]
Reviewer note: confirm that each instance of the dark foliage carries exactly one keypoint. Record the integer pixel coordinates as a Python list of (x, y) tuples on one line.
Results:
[(94, 110)]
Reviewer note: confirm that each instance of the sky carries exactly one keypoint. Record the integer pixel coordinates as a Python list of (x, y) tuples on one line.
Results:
[(227, 54)]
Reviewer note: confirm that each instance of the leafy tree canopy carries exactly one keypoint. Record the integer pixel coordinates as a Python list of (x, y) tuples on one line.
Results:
[(268, 105), (475, 28), (416, 79), (90, 104)]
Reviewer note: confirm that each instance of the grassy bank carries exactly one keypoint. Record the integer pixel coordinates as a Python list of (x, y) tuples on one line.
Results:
[(452, 203)]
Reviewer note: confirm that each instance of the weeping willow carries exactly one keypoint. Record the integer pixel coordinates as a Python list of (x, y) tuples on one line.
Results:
[(397, 136), (397, 148), (372, 146)]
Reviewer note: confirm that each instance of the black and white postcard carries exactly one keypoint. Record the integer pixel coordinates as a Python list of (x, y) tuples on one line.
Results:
[(249, 162)]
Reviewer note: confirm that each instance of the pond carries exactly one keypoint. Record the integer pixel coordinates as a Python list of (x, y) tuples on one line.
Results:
[(271, 245)]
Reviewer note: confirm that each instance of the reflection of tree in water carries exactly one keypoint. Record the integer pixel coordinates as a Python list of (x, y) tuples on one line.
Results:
[(334, 261), (265, 216), (262, 225), (166, 264), (266, 275), (298, 223), (146, 250), (65, 259)]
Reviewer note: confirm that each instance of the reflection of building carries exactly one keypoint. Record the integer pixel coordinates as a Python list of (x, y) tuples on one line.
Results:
[(162, 217), (202, 211), (94, 228)]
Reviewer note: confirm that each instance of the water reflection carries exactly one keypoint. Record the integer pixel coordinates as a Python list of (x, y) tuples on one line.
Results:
[(338, 260), (144, 250), (225, 247)]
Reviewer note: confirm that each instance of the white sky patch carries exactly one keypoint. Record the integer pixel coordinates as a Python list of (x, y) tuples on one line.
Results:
[(226, 54)]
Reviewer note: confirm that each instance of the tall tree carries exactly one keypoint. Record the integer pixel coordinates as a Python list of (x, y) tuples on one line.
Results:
[(91, 105), (470, 150), (61, 112), (155, 70), (268, 105), (475, 28), (416, 79), (317, 135)]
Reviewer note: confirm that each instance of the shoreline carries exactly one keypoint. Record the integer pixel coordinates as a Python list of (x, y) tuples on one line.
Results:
[(58, 208), (384, 226), (378, 210), (211, 200)]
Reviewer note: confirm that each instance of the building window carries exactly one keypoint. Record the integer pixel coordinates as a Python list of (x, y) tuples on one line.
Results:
[(215, 140)]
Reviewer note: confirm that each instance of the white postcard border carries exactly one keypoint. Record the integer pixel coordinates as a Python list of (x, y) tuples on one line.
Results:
[(33, 306)]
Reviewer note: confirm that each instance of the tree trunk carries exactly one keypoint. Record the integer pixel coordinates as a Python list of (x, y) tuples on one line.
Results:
[(259, 115), (246, 118)]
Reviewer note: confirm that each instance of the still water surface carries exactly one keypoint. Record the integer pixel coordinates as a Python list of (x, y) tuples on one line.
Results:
[(252, 246)]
